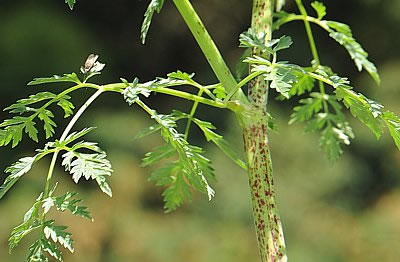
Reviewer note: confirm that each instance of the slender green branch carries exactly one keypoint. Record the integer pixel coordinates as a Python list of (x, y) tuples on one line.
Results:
[(242, 83), (313, 48), (77, 115), (192, 112), (293, 17), (208, 47)]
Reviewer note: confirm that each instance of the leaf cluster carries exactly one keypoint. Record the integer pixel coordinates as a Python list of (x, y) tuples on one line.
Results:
[(340, 32), (50, 234), (12, 129), (190, 170)]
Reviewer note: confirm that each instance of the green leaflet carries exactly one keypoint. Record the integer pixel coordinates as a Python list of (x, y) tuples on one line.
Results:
[(70, 3), (68, 202), (191, 170), (154, 6), (56, 78), (219, 141), (333, 127), (90, 166), (366, 110), (31, 223), (58, 234), (16, 171), (393, 123), (36, 252), (343, 35), (319, 8), (282, 76)]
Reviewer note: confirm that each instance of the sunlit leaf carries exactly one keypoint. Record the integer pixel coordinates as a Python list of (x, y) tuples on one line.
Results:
[(16, 171)]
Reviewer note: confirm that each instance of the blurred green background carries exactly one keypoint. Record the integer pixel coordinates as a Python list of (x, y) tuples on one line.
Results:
[(344, 212)]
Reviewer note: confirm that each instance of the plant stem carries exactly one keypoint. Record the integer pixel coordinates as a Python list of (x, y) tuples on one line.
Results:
[(208, 47), (267, 221), (313, 49), (77, 115), (192, 112)]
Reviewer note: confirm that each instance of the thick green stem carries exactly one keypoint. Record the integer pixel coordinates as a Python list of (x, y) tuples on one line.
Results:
[(208, 47), (267, 221)]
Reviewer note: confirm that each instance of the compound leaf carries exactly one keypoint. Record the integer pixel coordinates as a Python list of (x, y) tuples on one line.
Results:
[(343, 35)]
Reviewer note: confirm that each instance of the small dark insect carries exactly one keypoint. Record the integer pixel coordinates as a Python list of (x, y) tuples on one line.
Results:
[(90, 62)]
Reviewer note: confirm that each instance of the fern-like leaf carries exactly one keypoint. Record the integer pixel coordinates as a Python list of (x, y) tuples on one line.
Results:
[(90, 166)]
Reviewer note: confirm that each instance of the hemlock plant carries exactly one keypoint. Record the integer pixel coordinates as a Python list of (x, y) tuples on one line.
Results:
[(327, 96)]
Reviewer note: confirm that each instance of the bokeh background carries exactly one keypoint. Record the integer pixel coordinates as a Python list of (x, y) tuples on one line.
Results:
[(349, 211)]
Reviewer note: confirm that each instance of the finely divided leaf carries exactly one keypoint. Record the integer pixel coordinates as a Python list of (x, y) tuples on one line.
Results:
[(36, 253), (21, 105), (13, 128), (68, 202), (66, 105), (192, 170), (58, 234), (31, 223), (366, 110), (304, 84), (154, 6), (48, 124), (343, 35), (56, 78), (16, 171), (319, 8), (90, 166), (147, 131)]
